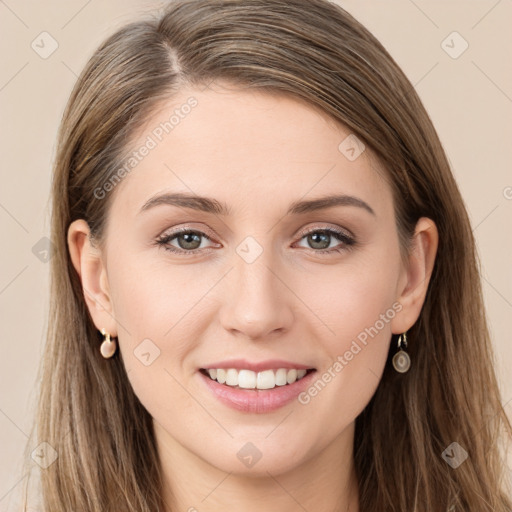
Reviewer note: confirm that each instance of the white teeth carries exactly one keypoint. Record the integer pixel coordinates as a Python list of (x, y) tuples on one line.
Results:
[(266, 380), (292, 376), (281, 376), (247, 379), (232, 377)]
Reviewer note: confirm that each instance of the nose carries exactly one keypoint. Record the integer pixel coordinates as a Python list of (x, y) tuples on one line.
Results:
[(257, 303)]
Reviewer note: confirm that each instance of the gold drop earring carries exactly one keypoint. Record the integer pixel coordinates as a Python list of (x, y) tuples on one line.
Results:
[(108, 347), (401, 360)]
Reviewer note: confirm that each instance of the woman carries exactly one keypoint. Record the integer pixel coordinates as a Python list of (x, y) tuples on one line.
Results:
[(265, 293)]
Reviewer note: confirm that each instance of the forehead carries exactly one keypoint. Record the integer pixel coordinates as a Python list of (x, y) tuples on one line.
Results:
[(252, 150)]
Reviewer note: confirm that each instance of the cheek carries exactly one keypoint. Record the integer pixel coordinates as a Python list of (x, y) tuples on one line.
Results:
[(358, 304), (154, 331), (156, 307), (344, 302), (150, 298), (354, 301)]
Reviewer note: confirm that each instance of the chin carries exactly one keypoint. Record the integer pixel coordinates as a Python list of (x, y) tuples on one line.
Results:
[(254, 460)]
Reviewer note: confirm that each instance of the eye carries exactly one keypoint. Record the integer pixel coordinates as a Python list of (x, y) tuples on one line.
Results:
[(188, 241), (320, 240)]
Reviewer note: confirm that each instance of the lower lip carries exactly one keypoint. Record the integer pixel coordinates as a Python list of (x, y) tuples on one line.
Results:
[(257, 400)]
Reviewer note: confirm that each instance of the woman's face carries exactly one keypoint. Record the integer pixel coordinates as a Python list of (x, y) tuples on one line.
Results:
[(264, 276)]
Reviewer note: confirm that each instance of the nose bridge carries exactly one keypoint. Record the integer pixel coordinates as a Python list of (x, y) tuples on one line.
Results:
[(256, 303)]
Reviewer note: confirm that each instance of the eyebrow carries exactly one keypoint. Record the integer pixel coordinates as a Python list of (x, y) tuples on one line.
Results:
[(210, 205)]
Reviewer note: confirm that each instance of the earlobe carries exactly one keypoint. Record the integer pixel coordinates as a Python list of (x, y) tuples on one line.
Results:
[(416, 277), (92, 272)]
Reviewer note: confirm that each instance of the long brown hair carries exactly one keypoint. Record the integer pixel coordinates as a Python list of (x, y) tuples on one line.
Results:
[(314, 51)]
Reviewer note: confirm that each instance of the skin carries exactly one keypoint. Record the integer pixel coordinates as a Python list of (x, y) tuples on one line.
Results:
[(258, 153)]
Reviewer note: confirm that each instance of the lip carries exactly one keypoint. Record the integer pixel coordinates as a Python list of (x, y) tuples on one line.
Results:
[(257, 400), (269, 364)]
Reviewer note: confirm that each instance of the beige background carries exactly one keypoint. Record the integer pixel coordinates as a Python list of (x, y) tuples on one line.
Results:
[(469, 99)]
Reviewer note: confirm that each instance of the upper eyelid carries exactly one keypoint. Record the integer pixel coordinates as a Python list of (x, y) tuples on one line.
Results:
[(301, 234), (306, 231), (208, 233)]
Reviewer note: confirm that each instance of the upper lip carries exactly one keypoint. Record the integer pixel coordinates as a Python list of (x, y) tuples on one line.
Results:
[(243, 364)]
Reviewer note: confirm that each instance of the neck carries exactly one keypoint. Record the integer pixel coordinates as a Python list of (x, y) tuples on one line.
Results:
[(325, 482)]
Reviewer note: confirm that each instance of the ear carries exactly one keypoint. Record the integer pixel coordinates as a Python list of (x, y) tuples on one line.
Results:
[(415, 276), (88, 262)]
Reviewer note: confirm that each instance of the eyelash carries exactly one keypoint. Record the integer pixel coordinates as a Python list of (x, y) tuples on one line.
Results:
[(348, 241)]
